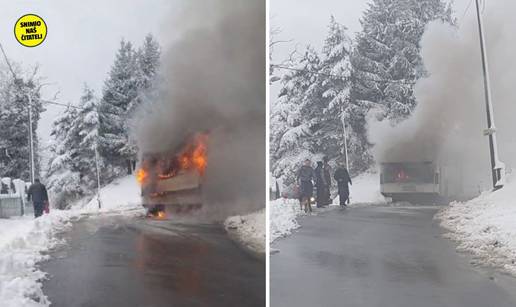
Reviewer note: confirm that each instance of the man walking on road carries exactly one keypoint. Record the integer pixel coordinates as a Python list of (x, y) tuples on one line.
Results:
[(320, 185), (305, 178), (327, 180), (342, 177), (39, 196)]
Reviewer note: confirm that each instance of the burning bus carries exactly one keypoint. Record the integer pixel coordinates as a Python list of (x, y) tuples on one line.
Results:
[(410, 181), (428, 182), (171, 181)]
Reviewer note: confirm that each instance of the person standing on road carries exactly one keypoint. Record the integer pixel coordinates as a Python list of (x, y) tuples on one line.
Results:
[(320, 185), (327, 180), (342, 177), (305, 178), (38, 194)]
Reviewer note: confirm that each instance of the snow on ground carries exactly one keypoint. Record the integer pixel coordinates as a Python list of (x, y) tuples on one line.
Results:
[(248, 231), (121, 195), (365, 190), (22, 242), (283, 214), (485, 226)]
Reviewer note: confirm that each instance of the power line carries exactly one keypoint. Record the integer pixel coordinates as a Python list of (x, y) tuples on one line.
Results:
[(75, 107), (339, 76)]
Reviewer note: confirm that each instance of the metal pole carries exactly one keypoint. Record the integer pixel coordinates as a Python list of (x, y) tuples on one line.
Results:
[(345, 138), (98, 172), (31, 141), (497, 167)]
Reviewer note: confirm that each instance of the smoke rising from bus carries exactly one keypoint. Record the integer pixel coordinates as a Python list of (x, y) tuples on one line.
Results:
[(214, 82), (448, 122)]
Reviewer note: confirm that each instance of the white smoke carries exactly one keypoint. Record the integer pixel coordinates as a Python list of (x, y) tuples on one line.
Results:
[(448, 122)]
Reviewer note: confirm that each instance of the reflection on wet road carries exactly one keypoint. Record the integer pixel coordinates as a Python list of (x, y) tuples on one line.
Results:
[(379, 257), (121, 261)]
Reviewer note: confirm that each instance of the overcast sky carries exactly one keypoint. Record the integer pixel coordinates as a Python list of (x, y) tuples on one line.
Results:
[(83, 36), (82, 39), (304, 22)]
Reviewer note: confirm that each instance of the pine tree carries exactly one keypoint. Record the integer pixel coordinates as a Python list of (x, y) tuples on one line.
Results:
[(85, 129), (147, 60), (336, 83), (120, 90), (386, 60), (64, 182), (130, 80), (295, 116), (14, 137)]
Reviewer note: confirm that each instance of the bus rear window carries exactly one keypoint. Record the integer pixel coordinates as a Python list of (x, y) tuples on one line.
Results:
[(407, 172)]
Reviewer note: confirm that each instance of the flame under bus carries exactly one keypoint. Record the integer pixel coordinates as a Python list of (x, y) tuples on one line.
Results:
[(410, 181)]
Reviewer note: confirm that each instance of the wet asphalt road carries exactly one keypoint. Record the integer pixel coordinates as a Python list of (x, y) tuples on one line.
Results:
[(380, 256), (120, 261)]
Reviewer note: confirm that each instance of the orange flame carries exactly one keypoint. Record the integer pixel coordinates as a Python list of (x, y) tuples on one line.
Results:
[(160, 215), (195, 154), (141, 175)]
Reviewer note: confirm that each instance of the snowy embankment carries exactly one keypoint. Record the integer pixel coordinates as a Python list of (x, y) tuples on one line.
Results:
[(485, 226), (25, 240), (365, 191), (283, 214), (122, 194), (249, 232)]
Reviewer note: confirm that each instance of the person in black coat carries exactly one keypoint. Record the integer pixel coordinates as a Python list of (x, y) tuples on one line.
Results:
[(320, 185), (38, 194), (305, 178), (342, 177), (327, 180)]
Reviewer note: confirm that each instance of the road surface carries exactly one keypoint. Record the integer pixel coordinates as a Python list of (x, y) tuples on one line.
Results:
[(380, 257), (122, 261)]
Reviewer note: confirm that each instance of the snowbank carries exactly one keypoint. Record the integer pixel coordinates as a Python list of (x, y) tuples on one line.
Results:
[(365, 190), (485, 226), (283, 214), (121, 195), (22, 242), (249, 232)]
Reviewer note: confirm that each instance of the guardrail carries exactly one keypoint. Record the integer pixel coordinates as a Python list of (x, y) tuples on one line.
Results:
[(14, 205)]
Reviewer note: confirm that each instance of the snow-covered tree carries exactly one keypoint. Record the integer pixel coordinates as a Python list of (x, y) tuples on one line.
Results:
[(72, 169), (120, 89), (295, 116), (85, 128), (336, 82), (306, 120), (63, 180), (386, 60), (131, 77), (15, 89)]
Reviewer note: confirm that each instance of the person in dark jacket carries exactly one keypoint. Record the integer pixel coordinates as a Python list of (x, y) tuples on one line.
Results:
[(327, 180), (320, 185), (342, 177), (38, 194), (305, 178)]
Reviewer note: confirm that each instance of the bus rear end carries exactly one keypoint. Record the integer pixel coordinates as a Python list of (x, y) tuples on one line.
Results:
[(410, 181)]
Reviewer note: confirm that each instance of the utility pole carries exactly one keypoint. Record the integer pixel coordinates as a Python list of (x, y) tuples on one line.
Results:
[(29, 97), (98, 171), (31, 141), (342, 118), (497, 167)]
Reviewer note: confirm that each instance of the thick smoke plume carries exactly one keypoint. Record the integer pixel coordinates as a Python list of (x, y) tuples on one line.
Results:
[(214, 80), (448, 122)]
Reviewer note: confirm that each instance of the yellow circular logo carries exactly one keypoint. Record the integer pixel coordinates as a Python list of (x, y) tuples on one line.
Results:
[(30, 30)]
